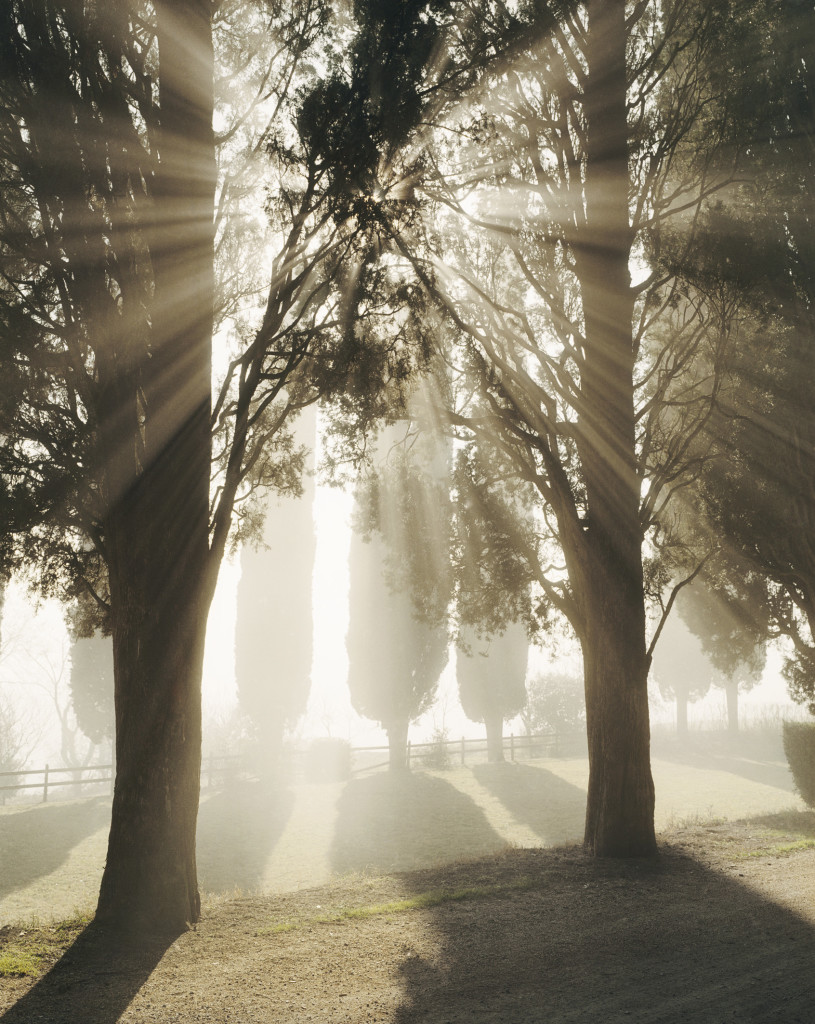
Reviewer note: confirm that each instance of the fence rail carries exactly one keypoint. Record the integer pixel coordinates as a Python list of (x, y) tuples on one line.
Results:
[(216, 769)]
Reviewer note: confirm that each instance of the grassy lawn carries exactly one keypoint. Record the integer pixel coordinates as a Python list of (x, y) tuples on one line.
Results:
[(251, 839)]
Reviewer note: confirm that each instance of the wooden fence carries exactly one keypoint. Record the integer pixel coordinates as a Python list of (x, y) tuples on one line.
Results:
[(218, 769)]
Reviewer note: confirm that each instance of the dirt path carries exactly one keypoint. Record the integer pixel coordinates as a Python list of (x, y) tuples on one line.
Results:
[(720, 928)]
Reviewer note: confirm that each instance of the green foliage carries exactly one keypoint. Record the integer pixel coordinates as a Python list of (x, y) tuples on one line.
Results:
[(799, 746)]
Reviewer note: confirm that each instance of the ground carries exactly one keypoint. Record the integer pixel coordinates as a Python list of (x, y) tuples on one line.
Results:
[(720, 927)]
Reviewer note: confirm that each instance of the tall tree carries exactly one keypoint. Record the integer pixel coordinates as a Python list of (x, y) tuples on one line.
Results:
[(681, 668), (106, 315), (400, 585), (491, 673), (732, 630), (273, 634), (753, 503), (571, 168)]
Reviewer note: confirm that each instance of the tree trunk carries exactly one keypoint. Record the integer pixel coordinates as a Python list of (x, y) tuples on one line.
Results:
[(620, 804), (494, 724), (397, 745), (156, 531), (731, 690)]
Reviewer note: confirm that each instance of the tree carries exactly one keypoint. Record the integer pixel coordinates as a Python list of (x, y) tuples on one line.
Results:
[(16, 743), (91, 686), (400, 585), (756, 497), (681, 667), (570, 168), (554, 703), (732, 631), (491, 674), (107, 300), (273, 637)]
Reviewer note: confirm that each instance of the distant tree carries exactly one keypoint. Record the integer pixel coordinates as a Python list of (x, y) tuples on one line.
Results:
[(756, 495), (273, 632), (554, 703), (732, 633), (400, 585), (491, 673), (91, 686), (16, 744), (681, 668)]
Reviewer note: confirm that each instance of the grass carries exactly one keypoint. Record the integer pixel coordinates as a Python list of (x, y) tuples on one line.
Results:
[(35, 947), (421, 901), (782, 849)]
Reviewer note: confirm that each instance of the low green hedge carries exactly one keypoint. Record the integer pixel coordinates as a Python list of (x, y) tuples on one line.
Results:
[(799, 746)]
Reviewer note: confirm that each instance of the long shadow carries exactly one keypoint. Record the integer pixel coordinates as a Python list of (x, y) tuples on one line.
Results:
[(36, 841), (237, 830), (551, 807), (768, 773), (395, 821), (665, 942), (94, 982)]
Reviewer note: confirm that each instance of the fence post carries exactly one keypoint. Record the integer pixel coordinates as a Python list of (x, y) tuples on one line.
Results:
[(45, 786)]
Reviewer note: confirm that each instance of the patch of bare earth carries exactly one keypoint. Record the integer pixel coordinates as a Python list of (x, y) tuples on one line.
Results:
[(719, 928)]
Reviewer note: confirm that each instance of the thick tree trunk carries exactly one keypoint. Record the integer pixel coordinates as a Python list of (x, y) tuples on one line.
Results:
[(494, 724), (157, 528), (620, 805), (397, 745)]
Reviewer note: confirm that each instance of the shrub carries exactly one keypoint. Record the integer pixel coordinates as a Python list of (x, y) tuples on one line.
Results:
[(436, 755), (799, 746), (328, 760)]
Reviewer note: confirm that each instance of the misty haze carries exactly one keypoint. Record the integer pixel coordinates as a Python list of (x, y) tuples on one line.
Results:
[(407, 446)]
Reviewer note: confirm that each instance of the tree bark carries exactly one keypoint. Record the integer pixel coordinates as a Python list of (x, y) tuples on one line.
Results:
[(397, 745), (494, 724), (156, 532), (620, 805)]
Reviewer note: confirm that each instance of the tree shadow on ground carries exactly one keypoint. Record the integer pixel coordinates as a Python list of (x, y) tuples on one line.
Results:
[(766, 772), (237, 830), (94, 982), (47, 833), (396, 821), (551, 807), (661, 942)]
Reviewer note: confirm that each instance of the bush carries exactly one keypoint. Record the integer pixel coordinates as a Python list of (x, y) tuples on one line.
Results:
[(436, 755), (328, 760), (799, 746)]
